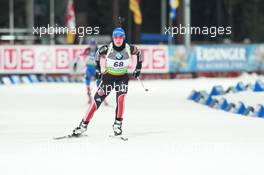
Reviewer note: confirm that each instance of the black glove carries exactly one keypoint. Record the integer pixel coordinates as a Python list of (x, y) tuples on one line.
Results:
[(98, 75), (136, 73), (74, 67)]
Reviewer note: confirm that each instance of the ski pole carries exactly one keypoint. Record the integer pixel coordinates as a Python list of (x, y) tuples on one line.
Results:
[(142, 84)]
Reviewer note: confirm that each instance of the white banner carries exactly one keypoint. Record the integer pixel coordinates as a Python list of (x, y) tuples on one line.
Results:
[(58, 59)]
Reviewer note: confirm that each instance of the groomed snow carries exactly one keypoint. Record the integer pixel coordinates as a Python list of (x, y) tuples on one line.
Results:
[(168, 134)]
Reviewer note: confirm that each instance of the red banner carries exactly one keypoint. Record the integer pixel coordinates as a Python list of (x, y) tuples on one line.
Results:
[(58, 59)]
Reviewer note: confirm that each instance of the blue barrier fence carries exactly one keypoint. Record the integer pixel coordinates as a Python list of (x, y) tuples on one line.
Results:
[(210, 100)]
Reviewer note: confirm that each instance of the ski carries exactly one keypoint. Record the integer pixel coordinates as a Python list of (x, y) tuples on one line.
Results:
[(73, 136), (119, 137), (68, 137)]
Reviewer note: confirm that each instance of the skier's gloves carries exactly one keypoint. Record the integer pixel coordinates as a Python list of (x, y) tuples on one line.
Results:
[(98, 75), (136, 73)]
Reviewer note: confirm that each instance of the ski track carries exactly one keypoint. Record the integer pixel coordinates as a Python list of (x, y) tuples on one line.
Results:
[(167, 133)]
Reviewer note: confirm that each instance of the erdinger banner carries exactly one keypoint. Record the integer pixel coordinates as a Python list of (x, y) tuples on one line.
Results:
[(59, 59), (216, 58), (220, 58)]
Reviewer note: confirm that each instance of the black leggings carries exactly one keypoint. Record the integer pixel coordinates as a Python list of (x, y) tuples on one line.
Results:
[(108, 83)]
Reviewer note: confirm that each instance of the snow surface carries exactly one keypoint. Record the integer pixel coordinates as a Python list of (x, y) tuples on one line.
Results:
[(168, 134)]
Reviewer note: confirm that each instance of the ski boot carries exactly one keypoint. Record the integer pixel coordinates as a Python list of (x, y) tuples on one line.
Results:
[(80, 129), (117, 127)]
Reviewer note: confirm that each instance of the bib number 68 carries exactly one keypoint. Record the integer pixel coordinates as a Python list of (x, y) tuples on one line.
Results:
[(118, 64)]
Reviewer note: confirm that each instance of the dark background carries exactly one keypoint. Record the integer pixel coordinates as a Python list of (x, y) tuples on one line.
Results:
[(246, 17)]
